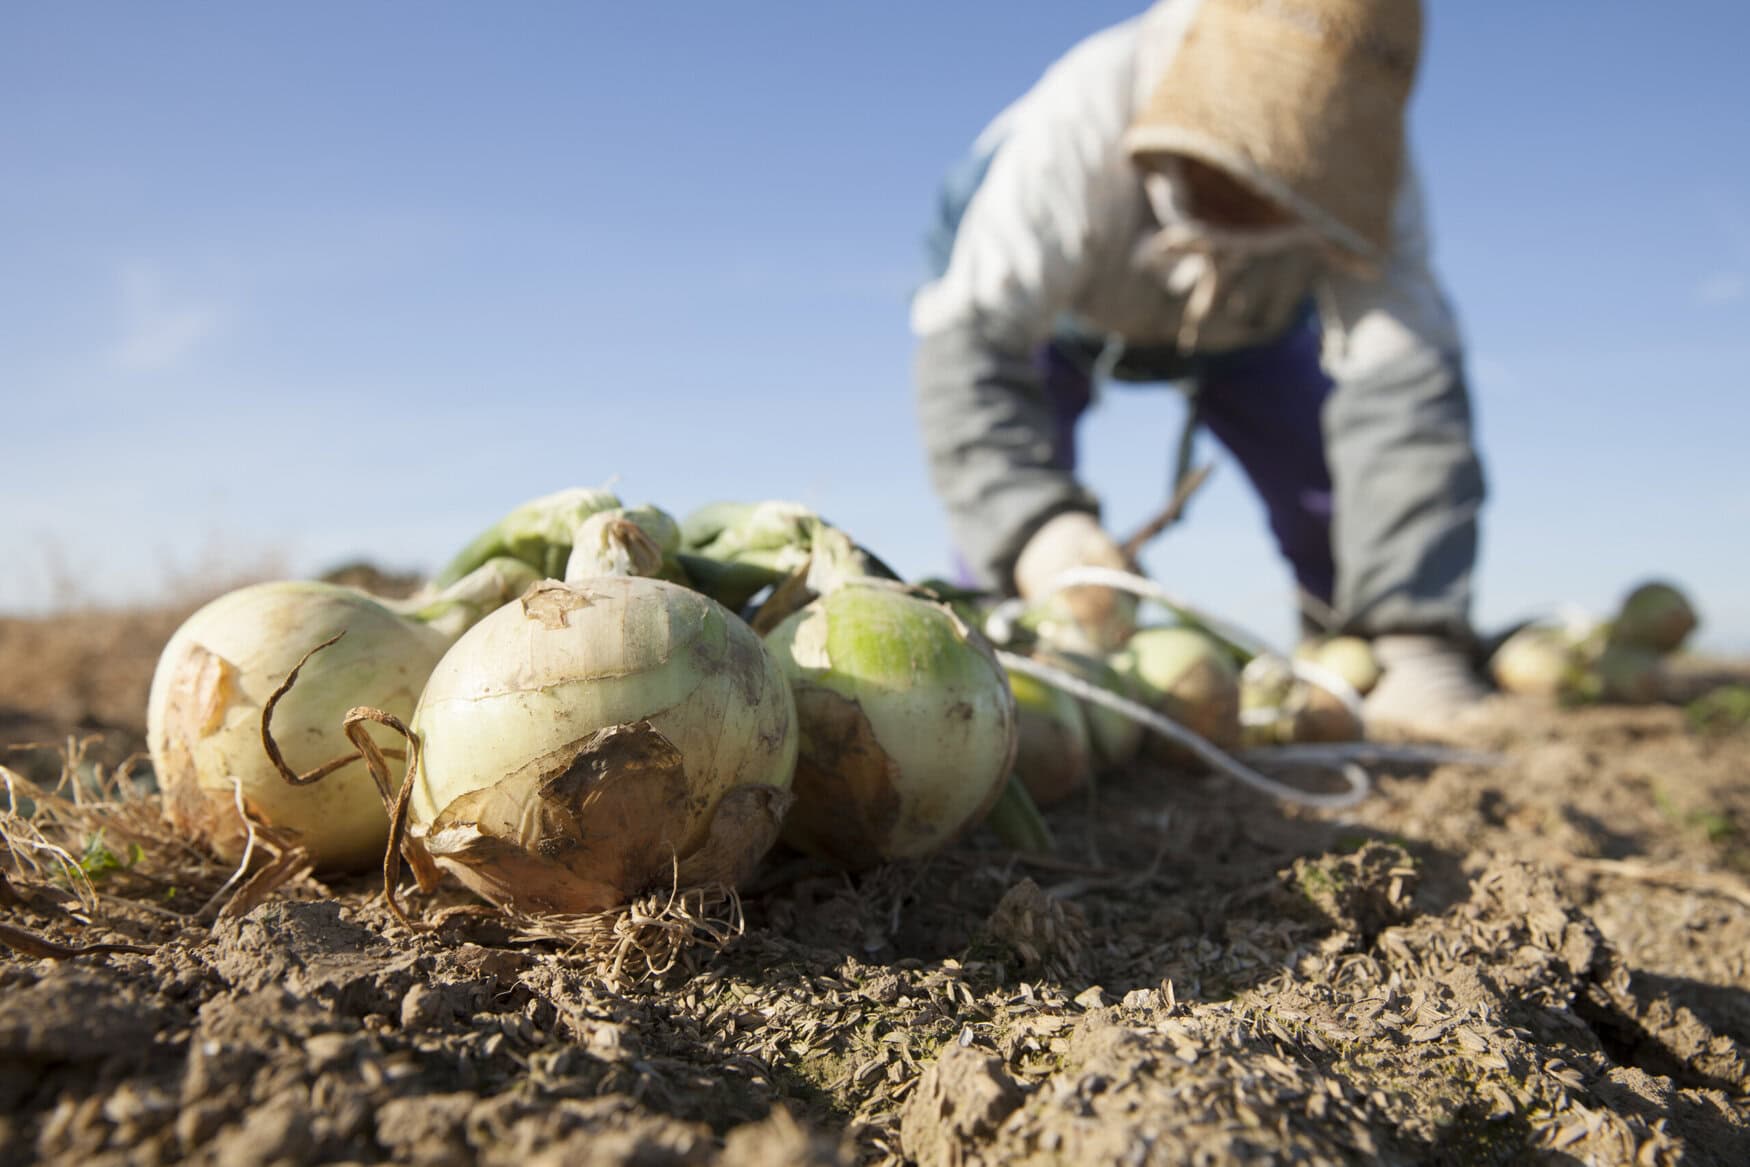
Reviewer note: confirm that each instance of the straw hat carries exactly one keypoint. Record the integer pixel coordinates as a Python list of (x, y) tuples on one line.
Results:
[(1303, 100)]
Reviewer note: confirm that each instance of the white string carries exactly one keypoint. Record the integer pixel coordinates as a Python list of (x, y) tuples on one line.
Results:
[(1221, 253), (1330, 682), (1379, 753), (1359, 786)]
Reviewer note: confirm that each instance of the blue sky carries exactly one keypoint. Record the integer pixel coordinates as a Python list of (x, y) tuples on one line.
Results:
[(291, 284)]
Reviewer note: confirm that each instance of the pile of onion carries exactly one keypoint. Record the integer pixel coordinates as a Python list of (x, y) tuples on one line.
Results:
[(1622, 660)]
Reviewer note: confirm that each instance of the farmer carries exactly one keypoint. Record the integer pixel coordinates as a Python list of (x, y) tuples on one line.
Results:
[(1216, 194)]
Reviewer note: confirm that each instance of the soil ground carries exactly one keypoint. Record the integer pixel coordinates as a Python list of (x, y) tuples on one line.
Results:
[(1542, 959)]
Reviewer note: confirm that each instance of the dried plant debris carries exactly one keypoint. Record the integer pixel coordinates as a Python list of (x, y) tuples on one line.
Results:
[(1473, 967)]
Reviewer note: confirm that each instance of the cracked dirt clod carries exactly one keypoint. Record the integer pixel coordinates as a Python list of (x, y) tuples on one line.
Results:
[(960, 1101), (309, 950), (1361, 894)]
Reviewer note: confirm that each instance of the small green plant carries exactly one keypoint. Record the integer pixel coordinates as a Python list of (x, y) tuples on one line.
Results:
[(1348, 843), (1716, 826), (1720, 711), (99, 861), (1316, 881)]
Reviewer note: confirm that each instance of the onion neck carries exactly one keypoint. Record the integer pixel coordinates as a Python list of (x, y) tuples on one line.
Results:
[(452, 610), (618, 547), (538, 532)]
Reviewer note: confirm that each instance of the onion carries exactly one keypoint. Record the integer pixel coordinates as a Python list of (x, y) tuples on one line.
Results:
[(1115, 738), (1655, 616), (1189, 677), (1627, 674), (1318, 715), (1278, 708), (203, 718), (1538, 661), (1266, 686), (1350, 657), (1053, 756), (597, 739), (1053, 621), (908, 724)]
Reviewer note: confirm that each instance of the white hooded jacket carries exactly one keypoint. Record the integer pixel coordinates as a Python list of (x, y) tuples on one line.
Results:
[(1052, 241)]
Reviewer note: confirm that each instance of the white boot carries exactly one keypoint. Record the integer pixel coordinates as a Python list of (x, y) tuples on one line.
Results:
[(1425, 687)]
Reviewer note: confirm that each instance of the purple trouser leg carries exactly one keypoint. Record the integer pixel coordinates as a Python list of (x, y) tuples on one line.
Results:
[(1070, 392), (1265, 405)]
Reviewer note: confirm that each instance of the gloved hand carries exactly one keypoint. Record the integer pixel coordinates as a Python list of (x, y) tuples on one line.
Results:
[(1426, 684), (1095, 619)]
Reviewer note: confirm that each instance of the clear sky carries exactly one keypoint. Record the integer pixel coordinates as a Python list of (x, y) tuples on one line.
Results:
[(296, 283)]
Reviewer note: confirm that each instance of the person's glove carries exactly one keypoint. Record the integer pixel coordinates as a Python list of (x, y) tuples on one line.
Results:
[(1426, 683), (1084, 618)]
